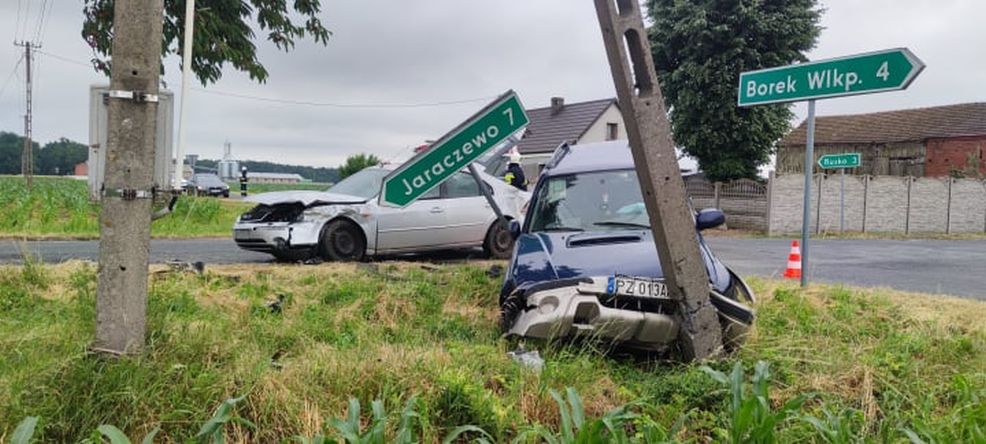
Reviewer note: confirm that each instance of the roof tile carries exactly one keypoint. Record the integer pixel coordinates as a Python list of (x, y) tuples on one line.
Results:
[(546, 130), (966, 119)]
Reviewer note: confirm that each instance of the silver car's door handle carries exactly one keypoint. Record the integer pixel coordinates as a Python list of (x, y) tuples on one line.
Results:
[(437, 209)]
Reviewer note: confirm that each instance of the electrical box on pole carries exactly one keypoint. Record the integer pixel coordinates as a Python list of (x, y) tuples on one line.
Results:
[(99, 134)]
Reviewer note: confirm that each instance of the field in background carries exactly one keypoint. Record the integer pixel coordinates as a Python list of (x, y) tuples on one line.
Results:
[(873, 363), (60, 208), (256, 188)]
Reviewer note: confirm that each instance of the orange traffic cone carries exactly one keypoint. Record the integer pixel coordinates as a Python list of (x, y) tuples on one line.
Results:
[(793, 270)]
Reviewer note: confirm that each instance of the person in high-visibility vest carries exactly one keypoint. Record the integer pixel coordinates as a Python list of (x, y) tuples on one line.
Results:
[(515, 174)]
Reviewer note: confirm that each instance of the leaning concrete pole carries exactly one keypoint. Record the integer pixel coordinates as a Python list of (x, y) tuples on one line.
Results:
[(649, 132), (125, 221)]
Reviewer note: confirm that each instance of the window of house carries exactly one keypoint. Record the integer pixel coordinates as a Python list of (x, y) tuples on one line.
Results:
[(612, 131)]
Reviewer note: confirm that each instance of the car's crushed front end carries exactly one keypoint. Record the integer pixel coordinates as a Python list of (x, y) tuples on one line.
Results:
[(289, 225)]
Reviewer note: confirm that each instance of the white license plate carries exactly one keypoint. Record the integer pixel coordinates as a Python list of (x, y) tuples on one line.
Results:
[(241, 233), (637, 287)]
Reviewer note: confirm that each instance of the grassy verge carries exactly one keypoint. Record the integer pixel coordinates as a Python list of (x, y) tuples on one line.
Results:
[(59, 208), (872, 363)]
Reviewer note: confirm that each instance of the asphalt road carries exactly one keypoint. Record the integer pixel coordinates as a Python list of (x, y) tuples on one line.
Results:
[(927, 266)]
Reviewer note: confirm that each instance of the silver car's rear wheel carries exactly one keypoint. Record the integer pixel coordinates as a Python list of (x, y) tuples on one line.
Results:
[(342, 241)]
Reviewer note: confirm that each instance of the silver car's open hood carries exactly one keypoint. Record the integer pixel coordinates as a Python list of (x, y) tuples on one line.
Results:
[(306, 198)]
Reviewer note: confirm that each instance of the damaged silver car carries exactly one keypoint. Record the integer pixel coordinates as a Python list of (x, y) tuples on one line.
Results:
[(346, 223)]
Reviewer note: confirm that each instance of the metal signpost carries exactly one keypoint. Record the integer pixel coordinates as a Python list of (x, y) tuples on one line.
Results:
[(840, 162), (873, 72), (454, 151)]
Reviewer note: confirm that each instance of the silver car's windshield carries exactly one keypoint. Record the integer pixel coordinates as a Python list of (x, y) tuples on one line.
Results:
[(597, 201), (364, 184)]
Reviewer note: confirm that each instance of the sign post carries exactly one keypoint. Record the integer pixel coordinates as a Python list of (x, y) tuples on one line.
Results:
[(454, 151), (840, 162), (873, 72)]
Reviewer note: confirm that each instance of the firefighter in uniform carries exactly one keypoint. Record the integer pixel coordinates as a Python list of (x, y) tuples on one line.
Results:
[(515, 174)]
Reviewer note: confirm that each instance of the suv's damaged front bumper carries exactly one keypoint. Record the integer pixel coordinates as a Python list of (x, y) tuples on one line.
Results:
[(583, 308), (577, 308)]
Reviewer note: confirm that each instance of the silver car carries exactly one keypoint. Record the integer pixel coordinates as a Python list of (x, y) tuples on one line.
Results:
[(347, 223)]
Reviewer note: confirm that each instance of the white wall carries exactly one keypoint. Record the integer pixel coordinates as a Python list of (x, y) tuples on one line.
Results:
[(597, 132)]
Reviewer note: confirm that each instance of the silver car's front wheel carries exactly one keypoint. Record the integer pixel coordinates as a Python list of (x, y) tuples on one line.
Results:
[(342, 241)]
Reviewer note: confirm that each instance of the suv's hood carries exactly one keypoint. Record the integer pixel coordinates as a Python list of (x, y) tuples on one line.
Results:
[(306, 198), (551, 256)]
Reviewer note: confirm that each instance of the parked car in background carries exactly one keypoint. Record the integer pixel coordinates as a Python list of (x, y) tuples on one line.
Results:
[(207, 184), (585, 263), (347, 223)]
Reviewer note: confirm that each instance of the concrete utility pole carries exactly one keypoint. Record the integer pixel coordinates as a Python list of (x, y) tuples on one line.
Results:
[(27, 155), (128, 187), (649, 132)]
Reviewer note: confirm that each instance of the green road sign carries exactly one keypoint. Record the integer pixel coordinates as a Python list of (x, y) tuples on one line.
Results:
[(833, 161), (888, 70), (454, 151)]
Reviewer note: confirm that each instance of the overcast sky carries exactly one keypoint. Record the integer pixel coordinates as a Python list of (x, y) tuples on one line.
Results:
[(419, 52)]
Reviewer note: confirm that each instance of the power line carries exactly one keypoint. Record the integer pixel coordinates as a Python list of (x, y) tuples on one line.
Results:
[(64, 59), (343, 105), (303, 102), (46, 7), (6, 83)]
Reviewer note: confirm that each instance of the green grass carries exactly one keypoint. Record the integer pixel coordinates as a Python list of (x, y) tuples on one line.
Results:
[(873, 364), (60, 208), (257, 188)]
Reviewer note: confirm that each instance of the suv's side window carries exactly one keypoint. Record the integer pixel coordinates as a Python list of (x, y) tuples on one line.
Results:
[(460, 185)]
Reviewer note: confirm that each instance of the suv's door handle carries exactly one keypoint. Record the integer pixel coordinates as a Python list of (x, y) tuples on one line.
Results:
[(437, 209)]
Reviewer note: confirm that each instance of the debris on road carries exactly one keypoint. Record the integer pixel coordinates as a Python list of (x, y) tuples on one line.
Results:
[(528, 359), (276, 306), (495, 271), (178, 266)]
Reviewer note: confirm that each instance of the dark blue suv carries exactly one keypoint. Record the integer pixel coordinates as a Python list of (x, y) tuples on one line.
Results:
[(585, 263)]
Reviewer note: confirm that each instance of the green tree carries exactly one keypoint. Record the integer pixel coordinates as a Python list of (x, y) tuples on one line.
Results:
[(11, 147), (355, 163), (700, 47), (224, 32), (60, 157)]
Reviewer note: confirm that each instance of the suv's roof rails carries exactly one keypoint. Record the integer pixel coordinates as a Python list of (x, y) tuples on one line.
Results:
[(560, 152)]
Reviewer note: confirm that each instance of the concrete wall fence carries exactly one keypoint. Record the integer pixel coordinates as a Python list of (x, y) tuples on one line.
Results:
[(886, 204)]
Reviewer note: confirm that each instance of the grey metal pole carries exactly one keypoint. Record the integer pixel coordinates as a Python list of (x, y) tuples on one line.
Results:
[(806, 216), (842, 200), (487, 195)]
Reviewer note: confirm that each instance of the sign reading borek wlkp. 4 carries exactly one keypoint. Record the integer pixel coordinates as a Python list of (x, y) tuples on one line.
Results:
[(888, 70), (456, 150), (834, 161)]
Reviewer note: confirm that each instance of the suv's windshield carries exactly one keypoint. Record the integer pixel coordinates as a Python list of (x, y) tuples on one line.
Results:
[(364, 184), (597, 201)]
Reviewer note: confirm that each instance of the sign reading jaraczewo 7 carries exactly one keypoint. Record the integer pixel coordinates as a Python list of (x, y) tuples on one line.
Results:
[(454, 151), (888, 70)]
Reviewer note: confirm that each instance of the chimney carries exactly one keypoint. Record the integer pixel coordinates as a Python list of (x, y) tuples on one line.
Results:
[(557, 103)]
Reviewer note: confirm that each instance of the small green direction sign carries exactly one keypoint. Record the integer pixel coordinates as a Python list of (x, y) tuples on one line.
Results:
[(454, 151), (834, 161), (888, 70)]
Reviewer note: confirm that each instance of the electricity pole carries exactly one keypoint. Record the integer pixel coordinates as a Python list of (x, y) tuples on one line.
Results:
[(128, 187), (27, 156), (672, 224)]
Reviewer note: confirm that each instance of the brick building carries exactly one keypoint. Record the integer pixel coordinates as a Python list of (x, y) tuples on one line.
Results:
[(924, 142)]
